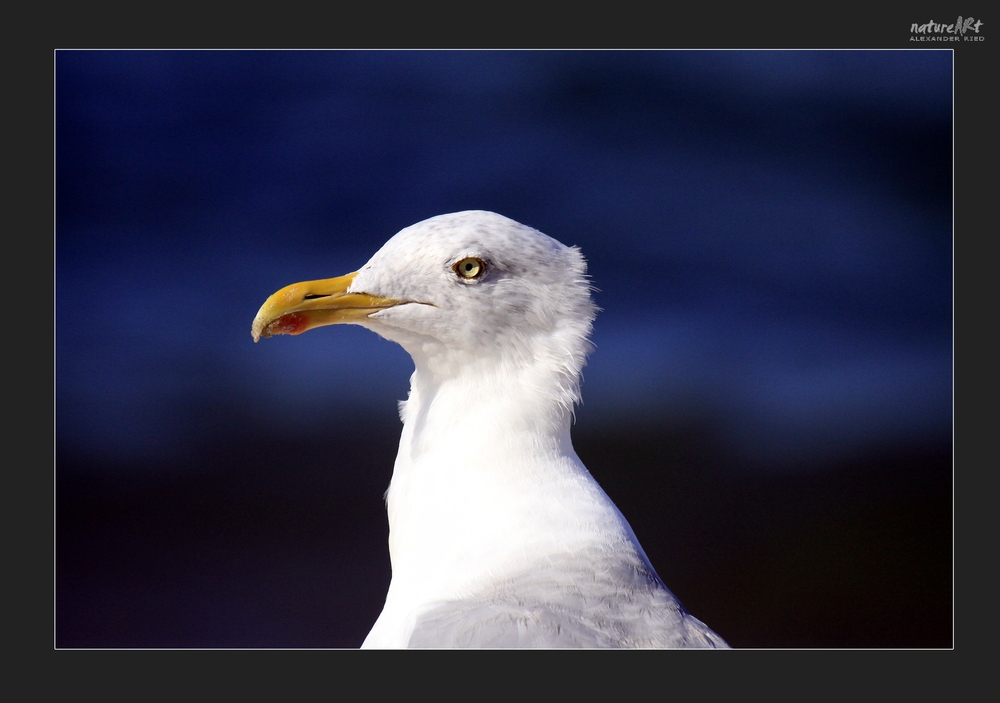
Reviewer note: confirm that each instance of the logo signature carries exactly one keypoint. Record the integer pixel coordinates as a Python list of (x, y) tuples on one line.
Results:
[(959, 30)]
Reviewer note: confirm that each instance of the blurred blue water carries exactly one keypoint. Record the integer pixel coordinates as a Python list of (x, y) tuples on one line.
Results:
[(769, 231)]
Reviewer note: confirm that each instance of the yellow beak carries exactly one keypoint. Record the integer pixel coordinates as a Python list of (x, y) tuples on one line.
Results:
[(303, 306)]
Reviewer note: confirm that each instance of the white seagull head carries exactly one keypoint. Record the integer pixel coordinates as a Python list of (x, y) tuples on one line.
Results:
[(460, 292)]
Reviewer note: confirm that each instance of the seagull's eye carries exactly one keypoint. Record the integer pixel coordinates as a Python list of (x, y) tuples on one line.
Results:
[(470, 267)]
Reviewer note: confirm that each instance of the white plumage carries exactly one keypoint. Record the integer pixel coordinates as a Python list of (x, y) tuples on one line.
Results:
[(498, 534)]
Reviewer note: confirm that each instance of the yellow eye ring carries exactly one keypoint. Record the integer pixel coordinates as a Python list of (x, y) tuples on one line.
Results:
[(469, 268)]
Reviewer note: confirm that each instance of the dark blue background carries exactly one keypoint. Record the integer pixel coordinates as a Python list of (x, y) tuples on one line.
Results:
[(769, 231)]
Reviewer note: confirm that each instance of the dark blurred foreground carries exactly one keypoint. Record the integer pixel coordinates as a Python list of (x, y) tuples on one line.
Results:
[(265, 544)]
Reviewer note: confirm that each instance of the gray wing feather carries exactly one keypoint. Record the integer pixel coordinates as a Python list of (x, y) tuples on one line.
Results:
[(569, 602)]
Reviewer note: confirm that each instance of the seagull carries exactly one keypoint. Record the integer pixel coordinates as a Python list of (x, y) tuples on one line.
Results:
[(499, 537)]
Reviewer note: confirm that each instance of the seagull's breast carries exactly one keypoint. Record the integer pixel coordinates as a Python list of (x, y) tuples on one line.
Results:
[(485, 493), (481, 496)]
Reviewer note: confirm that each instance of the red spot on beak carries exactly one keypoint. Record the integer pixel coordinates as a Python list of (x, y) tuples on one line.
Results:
[(292, 323)]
